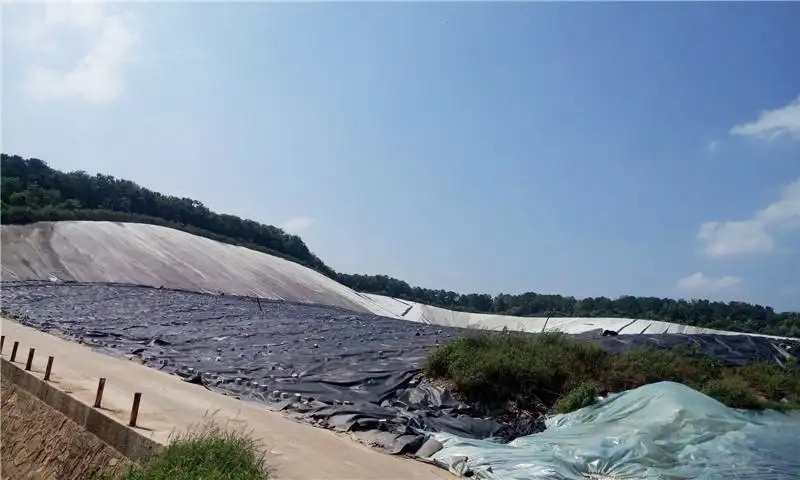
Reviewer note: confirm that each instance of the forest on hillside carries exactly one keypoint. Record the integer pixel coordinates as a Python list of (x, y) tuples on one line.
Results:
[(32, 191)]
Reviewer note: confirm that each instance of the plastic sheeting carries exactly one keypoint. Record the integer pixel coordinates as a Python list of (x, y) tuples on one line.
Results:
[(658, 431), (418, 312), (337, 369), (142, 254), (151, 255), (734, 350)]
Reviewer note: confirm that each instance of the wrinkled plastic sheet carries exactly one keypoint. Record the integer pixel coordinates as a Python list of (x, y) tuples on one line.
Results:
[(731, 350), (659, 431), (337, 369), (352, 372)]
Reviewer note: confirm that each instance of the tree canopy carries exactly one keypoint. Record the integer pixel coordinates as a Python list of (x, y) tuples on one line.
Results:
[(32, 191)]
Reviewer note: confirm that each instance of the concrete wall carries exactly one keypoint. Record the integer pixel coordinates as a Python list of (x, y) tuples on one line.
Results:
[(48, 434)]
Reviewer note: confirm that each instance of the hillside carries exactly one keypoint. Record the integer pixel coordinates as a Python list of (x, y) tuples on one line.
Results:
[(32, 192)]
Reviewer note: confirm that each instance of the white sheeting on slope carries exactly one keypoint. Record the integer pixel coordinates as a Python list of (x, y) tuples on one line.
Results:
[(156, 256), (440, 316)]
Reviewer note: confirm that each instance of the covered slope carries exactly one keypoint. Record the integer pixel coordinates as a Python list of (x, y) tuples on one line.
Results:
[(421, 313), (150, 255), (157, 256), (171, 405)]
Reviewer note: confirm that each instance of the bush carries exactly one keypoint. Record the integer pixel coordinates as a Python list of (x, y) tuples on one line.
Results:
[(555, 371), (734, 392), (641, 366), (582, 396), (771, 382), (528, 369), (208, 453)]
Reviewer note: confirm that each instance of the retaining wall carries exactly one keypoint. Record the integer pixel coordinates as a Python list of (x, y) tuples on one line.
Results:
[(48, 434)]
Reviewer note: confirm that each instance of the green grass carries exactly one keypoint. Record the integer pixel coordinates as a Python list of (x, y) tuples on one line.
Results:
[(581, 396), (733, 390), (207, 453), (551, 371)]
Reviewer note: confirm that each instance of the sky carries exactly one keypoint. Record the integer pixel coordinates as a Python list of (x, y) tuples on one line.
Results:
[(581, 149)]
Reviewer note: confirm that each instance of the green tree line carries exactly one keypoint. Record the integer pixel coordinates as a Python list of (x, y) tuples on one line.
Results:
[(32, 191)]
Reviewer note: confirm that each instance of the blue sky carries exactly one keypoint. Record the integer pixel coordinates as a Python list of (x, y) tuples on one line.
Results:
[(580, 149)]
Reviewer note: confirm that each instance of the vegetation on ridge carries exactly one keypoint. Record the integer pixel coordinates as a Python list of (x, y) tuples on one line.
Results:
[(32, 191), (553, 371)]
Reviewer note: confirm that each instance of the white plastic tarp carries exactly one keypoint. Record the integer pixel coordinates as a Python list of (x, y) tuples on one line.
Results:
[(659, 431)]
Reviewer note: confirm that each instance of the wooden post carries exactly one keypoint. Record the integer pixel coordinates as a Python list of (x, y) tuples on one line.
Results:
[(48, 369), (2, 341), (99, 398), (137, 397), (14, 351), (29, 363)]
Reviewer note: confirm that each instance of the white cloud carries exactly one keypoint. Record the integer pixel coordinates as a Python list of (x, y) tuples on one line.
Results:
[(98, 76), (786, 211), (74, 14), (297, 225), (754, 235), (731, 238), (713, 146), (699, 284), (773, 123)]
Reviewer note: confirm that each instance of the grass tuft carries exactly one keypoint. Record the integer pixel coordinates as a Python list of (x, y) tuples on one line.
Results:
[(554, 371), (208, 453), (582, 396)]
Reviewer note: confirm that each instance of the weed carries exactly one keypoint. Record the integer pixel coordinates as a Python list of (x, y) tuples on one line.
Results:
[(208, 453), (582, 396), (734, 392), (553, 370)]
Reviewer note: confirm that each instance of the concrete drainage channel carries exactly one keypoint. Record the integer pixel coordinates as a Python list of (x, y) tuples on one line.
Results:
[(49, 434)]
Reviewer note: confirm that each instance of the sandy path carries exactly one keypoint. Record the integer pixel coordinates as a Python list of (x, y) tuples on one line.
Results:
[(297, 451)]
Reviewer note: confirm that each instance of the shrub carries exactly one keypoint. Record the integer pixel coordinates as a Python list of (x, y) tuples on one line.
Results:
[(492, 368), (582, 396), (553, 370), (208, 453), (641, 366), (734, 392), (772, 382)]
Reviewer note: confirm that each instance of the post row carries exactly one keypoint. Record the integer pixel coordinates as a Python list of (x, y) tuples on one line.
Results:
[(101, 384)]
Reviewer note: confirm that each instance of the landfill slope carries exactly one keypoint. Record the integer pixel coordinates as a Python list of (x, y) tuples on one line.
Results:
[(351, 372), (155, 256), (421, 313), (170, 406)]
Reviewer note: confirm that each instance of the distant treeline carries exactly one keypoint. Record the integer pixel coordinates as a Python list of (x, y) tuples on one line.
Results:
[(32, 191)]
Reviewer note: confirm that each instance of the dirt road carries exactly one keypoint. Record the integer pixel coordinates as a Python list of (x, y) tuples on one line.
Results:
[(296, 451)]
